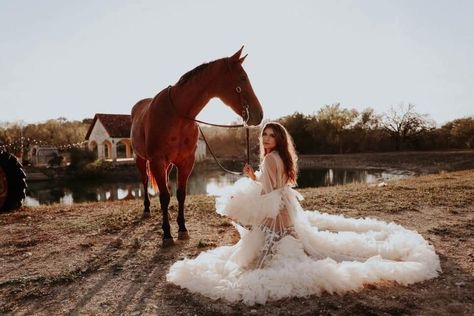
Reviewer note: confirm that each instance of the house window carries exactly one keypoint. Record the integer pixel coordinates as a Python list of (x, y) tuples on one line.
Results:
[(107, 150), (121, 150)]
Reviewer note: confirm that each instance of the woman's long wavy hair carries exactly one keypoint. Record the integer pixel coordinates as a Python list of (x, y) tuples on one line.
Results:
[(286, 149)]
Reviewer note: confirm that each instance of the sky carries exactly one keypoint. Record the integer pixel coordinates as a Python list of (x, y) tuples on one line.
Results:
[(73, 59)]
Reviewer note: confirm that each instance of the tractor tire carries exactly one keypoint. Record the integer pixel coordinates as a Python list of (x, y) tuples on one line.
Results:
[(12, 182)]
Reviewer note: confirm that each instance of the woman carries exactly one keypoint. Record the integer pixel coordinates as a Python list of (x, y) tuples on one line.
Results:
[(285, 251)]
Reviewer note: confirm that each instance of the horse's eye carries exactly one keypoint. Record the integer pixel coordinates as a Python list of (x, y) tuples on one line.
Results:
[(243, 77)]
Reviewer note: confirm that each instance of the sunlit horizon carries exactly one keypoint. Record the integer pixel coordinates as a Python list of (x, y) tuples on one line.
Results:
[(74, 60)]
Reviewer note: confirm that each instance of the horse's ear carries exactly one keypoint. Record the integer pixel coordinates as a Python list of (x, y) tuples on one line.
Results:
[(236, 56), (241, 60)]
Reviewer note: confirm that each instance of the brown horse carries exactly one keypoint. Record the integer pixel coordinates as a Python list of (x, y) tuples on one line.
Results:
[(164, 132)]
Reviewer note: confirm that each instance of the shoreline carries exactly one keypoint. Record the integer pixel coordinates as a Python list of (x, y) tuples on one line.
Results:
[(419, 163)]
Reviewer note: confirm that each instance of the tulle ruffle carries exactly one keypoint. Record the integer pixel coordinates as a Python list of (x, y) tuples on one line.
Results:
[(328, 253), (246, 204)]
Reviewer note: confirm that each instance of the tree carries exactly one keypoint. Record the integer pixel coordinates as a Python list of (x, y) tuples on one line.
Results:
[(365, 134), (298, 125), (462, 131), (336, 123), (403, 123), (368, 120)]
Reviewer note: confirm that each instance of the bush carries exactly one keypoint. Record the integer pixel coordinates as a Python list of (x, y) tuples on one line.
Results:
[(56, 160), (81, 157)]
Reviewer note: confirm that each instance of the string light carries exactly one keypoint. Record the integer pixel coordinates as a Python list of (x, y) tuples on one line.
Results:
[(27, 142)]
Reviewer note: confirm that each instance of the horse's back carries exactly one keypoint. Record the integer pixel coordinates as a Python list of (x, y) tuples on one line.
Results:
[(137, 133), (157, 133)]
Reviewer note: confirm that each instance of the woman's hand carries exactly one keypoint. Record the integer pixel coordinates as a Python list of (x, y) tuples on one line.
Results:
[(249, 172)]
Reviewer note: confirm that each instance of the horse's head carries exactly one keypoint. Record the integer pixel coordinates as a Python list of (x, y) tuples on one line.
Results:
[(236, 91)]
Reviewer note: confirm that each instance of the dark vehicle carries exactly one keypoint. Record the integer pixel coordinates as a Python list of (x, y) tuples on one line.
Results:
[(12, 182)]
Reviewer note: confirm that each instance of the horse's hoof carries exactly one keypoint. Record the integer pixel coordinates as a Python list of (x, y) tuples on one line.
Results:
[(183, 235), (168, 242)]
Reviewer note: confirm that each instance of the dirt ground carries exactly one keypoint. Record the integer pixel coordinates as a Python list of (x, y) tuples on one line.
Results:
[(106, 259)]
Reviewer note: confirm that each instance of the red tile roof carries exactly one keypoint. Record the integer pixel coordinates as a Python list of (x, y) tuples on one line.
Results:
[(117, 125)]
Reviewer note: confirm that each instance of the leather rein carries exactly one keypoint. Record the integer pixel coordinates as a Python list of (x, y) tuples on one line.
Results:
[(245, 113)]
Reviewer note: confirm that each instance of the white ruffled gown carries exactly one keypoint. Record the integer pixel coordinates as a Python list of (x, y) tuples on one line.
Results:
[(285, 251)]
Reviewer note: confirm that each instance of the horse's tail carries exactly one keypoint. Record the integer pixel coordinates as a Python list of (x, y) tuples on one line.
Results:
[(151, 177)]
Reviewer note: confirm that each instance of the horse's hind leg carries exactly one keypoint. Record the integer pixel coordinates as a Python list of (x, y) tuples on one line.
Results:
[(183, 174), (159, 171), (141, 164)]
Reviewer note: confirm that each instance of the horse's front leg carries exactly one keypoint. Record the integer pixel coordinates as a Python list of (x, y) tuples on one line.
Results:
[(184, 170), (159, 171)]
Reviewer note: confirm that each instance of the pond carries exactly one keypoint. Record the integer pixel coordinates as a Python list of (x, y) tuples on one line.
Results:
[(203, 182)]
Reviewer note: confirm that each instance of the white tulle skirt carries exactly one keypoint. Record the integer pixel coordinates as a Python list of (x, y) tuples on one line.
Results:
[(326, 253)]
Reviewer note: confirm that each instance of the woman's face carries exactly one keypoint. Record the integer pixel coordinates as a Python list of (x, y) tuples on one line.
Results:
[(269, 139)]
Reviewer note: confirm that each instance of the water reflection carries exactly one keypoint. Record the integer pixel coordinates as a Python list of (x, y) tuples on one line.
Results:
[(327, 177), (204, 182)]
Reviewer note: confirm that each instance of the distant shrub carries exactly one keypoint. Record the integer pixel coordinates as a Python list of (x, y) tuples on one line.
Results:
[(100, 166), (81, 157), (56, 160)]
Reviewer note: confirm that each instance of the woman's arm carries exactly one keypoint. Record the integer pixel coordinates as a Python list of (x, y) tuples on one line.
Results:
[(249, 172), (269, 175), (270, 180)]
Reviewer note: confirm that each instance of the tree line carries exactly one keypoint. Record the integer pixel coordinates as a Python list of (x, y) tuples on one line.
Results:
[(332, 129), (337, 130), (17, 136)]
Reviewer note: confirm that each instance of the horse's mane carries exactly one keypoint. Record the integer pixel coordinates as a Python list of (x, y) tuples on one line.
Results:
[(184, 78)]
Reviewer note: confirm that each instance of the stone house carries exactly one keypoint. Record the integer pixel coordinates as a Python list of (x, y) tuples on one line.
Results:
[(109, 136)]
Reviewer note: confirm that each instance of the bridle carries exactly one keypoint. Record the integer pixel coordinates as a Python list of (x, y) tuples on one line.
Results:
[(245, 118)]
